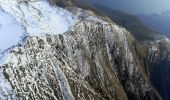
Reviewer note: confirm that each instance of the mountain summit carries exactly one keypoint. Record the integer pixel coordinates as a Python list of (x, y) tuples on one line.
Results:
[(69, 52)]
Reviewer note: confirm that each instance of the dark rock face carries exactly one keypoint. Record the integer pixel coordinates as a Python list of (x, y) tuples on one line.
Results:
[(160, 68), (96, 59)]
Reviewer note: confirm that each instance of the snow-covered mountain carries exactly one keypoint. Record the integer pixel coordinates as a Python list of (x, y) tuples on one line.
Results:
[(33, 19), (73, 53)]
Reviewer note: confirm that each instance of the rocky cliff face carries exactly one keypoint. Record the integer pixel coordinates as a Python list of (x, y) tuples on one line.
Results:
[(159, 68), (94, 59)]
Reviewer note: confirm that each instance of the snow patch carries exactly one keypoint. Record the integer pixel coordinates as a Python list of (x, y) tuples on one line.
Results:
[(39, 17), (166, 39), (11, 31), (154, 48)]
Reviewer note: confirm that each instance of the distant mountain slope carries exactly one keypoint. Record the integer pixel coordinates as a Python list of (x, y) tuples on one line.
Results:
[(159, 22), (70, 3), (131, 22)]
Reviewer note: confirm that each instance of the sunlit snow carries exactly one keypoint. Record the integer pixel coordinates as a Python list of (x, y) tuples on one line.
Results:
[(10, 31), (39, 17), (36, 18)]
